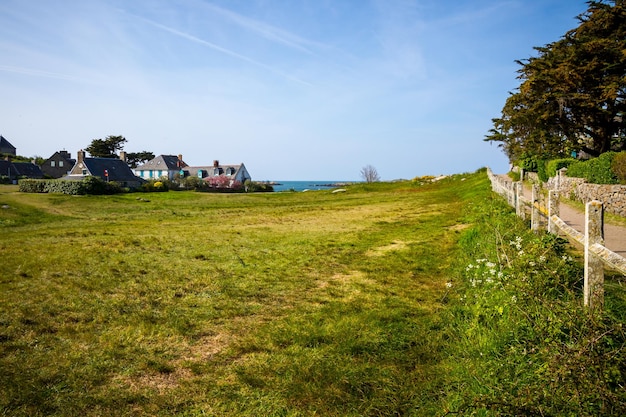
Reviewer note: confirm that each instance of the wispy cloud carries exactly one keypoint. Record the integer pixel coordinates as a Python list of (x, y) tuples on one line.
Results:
[(38, 73), (267, 31), (220, 49)]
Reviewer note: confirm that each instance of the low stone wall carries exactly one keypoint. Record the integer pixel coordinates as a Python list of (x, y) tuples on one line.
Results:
[(612, 196)]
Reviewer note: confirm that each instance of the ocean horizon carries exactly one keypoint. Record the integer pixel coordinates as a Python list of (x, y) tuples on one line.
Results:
[(306, 185)]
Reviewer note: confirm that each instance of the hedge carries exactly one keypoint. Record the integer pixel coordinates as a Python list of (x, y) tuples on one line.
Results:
[(553, 166), (89, 185), (596, 170)]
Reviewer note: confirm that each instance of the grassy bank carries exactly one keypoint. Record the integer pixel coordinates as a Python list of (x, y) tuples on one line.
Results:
[(523, 344), (388, 299)]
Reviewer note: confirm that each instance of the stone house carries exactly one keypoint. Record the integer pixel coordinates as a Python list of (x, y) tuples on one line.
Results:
[(108, 169), (58, 165)]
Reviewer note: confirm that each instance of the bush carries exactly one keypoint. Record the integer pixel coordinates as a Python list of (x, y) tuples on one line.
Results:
[(89, 185), (553, 166), (259, 187), (541, 170), (154, 186), (528, 163), (618, 166), (596, 170)]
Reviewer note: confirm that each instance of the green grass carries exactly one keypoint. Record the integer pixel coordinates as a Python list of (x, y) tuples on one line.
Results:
[(389, 299), (187, 303)]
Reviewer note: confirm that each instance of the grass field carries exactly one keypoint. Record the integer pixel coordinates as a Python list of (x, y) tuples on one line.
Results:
[(187, 303), (389, 299)]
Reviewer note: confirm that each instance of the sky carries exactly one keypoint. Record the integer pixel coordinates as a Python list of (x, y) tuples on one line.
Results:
[(294, 89)]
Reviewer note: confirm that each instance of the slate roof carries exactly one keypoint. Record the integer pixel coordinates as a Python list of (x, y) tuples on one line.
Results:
[(19, 169), (28, 169), (163, 162), (118, 170), (6, 168), (213, 171), (5, 146)]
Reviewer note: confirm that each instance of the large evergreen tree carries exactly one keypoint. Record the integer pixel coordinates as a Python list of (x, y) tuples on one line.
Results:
[(571, 96), (106, 148)]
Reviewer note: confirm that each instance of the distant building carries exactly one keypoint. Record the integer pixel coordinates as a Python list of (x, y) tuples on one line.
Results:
[(16, 170), (6, 147), (170, 166), (108, 169), (234, 172), (58, 165), (162, 166)]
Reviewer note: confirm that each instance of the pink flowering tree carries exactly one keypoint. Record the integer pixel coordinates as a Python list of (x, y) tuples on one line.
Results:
[(222, 181)]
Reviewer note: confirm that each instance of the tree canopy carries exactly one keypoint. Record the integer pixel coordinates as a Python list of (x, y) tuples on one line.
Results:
[(111, 145), (137, 158), (106, 148), (571, 96)]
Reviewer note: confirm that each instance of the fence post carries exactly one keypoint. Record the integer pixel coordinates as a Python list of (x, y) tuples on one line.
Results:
[(594, 268), (535, 217), (519, 193), (553, 209)]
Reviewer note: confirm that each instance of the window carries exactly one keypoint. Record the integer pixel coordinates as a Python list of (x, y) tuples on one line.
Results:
[(52, 164), (84, 172), (60, 164)]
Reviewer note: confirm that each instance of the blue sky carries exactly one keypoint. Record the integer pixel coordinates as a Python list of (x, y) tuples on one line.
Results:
[(295, 89)]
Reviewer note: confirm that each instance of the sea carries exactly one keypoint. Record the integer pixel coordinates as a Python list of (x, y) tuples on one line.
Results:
[(307, 185)]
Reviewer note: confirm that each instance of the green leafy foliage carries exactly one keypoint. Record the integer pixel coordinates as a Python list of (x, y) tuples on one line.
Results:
[(618, 166), (89, 185), (254, 186), (572, 94), (554, 165), (596, 171)]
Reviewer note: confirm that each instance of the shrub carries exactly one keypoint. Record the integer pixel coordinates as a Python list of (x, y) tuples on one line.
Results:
[(253, 186), (541, 170), (89, 185), (618, 166), (595, 171), (154, 186), (553, 166), (528, 163)]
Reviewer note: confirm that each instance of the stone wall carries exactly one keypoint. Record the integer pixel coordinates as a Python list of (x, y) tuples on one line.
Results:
[(612, 196)]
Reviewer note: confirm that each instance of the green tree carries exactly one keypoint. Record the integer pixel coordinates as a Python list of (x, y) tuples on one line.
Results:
[(572, 94), (137, 158), (106, 148)]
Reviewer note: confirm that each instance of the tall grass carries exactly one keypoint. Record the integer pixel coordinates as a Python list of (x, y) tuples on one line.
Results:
[(522, 342)]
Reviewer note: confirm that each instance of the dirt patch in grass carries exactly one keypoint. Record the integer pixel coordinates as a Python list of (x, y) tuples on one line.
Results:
[(459, 227), (396, 245)]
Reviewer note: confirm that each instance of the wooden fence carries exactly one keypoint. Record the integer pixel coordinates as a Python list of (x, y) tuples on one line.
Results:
[(545, 215)]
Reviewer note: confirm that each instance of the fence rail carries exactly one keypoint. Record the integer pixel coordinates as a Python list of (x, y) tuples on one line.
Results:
[(543, 215)]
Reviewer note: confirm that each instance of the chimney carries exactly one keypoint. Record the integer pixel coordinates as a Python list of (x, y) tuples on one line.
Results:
[(216, 163), (80, 156), (123, 155)]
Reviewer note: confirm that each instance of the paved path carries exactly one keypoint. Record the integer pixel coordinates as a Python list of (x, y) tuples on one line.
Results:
[(614, 236)]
